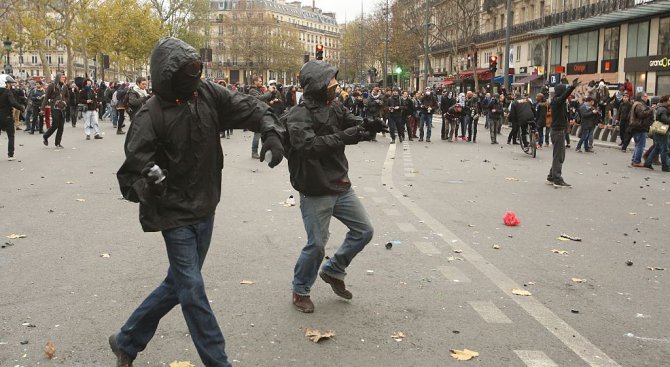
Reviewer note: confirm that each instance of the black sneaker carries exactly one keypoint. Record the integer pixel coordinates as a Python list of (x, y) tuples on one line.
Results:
[(122, 359), (550, 180), (561, 184), (45, 141), (60, 146), (97, 136)]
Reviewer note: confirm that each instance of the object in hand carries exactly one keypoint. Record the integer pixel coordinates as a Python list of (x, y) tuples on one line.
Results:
[(157, 173)]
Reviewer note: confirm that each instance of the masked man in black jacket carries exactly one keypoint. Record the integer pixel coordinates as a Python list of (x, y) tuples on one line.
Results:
[(7, 102), (177, 130), (317, 132)]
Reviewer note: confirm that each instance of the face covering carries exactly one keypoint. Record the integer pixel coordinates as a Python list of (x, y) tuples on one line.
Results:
[(428, 93), (185, 81)]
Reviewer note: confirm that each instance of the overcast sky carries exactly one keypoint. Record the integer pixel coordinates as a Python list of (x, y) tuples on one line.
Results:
[(352, 8)]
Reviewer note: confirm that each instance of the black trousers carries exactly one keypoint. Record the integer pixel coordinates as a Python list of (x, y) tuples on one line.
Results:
[(37, 120), (7, 124), (57, 124)]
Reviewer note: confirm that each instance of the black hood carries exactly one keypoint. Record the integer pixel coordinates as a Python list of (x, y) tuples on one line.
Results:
[(560, 89), (314, 78), (168, 56)]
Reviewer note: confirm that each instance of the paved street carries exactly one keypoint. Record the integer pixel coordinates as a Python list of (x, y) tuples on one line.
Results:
[(445, 286)]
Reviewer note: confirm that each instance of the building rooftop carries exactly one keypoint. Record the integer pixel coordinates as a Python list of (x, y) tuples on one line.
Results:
[(293, 8)]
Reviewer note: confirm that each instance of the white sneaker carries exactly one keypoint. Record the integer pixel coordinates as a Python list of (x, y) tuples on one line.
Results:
[(11, 158)]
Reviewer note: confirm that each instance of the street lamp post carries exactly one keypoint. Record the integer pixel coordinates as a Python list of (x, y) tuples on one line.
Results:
[(8, 47)]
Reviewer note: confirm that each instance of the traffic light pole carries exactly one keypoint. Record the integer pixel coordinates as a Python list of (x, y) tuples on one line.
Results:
[(508, 17)]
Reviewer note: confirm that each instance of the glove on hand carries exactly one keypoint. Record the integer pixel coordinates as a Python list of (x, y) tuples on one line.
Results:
[(273, 145), (352, 135), (375, 126), (155, 178), (576, 82)]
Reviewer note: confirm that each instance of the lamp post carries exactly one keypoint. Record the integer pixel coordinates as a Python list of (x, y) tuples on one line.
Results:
[(8, 47)]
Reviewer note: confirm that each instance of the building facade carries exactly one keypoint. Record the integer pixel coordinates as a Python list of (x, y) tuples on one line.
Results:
[(264, 26)]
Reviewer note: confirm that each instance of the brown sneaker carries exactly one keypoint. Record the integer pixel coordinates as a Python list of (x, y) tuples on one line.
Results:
[(337, 285), (303, 303), (122, 359)]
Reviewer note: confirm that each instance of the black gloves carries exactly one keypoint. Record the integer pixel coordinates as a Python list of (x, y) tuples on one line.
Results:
[(375, 126), (575, 82), (352, 135), (155, 178), (272, 144)]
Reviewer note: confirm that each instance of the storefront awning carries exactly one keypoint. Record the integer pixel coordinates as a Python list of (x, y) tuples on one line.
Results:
[(499, 79), (640, 11), (469, 72), (527, 79)]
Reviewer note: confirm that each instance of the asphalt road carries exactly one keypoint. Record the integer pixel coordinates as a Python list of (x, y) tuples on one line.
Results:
[(444, 287)]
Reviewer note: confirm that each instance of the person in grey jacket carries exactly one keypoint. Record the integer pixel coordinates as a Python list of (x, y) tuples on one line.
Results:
[(590, 115)]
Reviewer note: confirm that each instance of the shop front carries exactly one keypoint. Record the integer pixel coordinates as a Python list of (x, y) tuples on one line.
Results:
[(649, 73)]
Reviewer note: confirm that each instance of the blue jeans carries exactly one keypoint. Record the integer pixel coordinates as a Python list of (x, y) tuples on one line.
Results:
[(186, 249), (316, 214), (640, 142), (114, 115), (426, 119), (660, 147), (587, 133)]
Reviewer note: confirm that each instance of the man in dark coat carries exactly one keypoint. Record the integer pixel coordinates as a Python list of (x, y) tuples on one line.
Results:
[(317, 132), (57, 97), (559, 125), (7, 102), (177, 130)]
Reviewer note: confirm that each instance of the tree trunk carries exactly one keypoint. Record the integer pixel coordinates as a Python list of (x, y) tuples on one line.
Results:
[(46, 69), (70, 59)]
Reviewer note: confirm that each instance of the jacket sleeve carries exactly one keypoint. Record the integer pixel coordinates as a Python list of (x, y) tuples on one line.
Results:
[(303, 138), (241, 111), (140, 148), (664, 116), (14, 103), (46, 98), (135, 101), (512, 111), (585, 112), (563, 97)]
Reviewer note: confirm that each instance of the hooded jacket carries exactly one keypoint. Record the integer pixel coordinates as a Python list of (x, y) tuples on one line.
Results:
[(641, 116), (7, 101), (589, 118), (315, 151), (57, 94), (183, 137), (559, 111), (137, 97)]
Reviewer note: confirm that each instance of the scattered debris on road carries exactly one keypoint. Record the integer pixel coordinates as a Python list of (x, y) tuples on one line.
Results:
[(290, 201), (370, 272), (574, 311), (50, 350), (316, 335), (629, 263), (181, 364), (14, 236), (105, 255), (247, 282), (398, 336), (81, 200), (496, 247), (578, 280), (512, 179), (571, 238), (392, 243), (510, 219), (463, 355), (521, 292), (654, 268), (560, 252)]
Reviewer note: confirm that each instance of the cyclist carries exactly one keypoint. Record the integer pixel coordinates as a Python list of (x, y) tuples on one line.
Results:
[(521, 115)]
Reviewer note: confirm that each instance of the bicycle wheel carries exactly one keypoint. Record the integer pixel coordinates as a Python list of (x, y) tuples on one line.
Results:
[(520, 139)]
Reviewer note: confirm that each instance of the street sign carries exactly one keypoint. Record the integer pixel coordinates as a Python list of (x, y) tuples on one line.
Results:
[(554, 79)]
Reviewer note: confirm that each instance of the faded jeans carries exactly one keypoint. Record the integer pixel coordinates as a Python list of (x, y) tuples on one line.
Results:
[(91, 123), (660, 148), (426, 119), (640, 141), (187, 248), (316, 214)]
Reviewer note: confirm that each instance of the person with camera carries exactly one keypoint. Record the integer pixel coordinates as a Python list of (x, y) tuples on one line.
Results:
[(178, 131), (257, 90), (7, 103), (89, 100), (56, 97), (559, 125), (316, 134), (590, 115)]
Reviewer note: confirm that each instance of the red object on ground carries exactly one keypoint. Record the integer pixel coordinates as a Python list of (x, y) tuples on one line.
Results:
[(510, 219)]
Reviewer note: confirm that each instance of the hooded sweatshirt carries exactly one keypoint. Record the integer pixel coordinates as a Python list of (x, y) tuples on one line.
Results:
[(315, 151), (559, 110), (183, 137), (57, 94)]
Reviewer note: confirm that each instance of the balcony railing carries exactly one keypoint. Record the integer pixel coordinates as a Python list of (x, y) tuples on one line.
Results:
[(570, 15)]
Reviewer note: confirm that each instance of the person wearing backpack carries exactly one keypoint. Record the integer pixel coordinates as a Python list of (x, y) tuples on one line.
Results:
[(640, 120), (121, 106)]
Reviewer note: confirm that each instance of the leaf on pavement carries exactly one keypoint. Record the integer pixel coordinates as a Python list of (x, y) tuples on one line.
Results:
[(50, 350), (181, 364), (463, 355), (247, 282), (577, 280), (14, 236), (560, 252), (521, 292), (571, 238), (316, 335), (398, 336)]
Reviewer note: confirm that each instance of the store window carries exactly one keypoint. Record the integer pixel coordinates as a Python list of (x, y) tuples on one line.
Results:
[(638, 39), (639, 80), (583, 47), (664, 37), (556, 51), (663, 85), (611, 45)]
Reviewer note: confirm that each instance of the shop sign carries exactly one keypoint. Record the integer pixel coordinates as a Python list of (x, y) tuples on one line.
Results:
[(609, 66), (659, 63), (523, 70), (590, 67), (554, 79)]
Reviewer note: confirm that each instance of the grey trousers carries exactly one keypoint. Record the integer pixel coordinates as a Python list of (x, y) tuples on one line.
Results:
[(558, 140)]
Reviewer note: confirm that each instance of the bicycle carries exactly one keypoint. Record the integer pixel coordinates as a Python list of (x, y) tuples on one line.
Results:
[(529, 148)]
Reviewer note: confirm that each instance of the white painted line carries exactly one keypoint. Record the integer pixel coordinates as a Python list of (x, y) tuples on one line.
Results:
[(581, 346), (392, 212), (369, 189), (379, 200), (535, 358), (427, 248), (406, 227), (454, 274), (490, 312)]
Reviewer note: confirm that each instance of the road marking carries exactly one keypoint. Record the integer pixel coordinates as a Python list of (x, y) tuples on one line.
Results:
[(454, 274), (379, 200), (581, 346), (369, 189), (427, 248), (392, 212), (490, 312), (535, 358), (406, 227)]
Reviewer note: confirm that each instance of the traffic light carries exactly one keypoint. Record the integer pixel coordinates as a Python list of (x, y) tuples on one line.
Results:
[(493, 63), (319, 52)]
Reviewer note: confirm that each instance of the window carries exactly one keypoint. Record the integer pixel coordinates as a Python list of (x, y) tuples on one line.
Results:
[(20, 59), (663, 85), (495, 23), (638, 39), (48, 58), (33, 59), (611, 45), (555, 51), (638, 80), (583, 47), (664, 38), (60, 60), (518, 53)]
